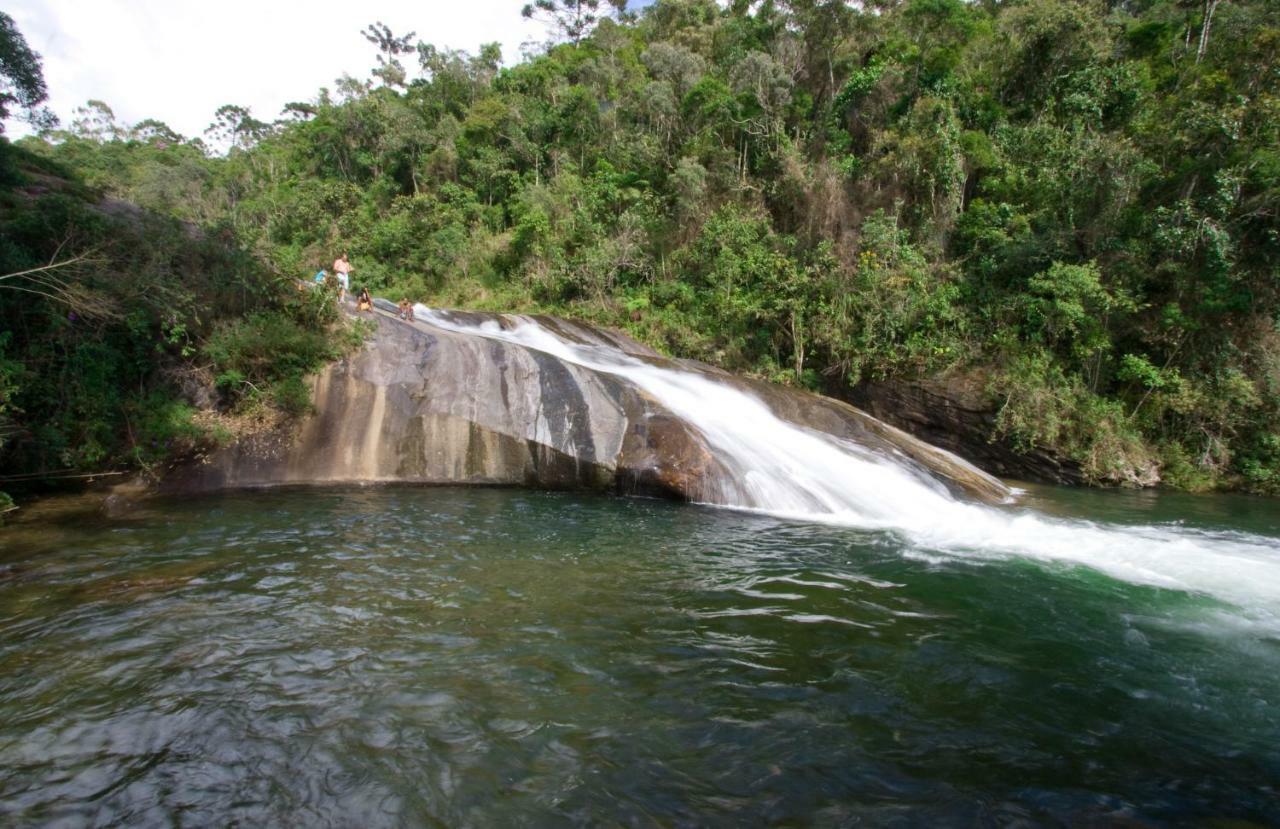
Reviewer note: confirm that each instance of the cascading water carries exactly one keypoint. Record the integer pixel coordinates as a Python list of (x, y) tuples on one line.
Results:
[(787, 470)]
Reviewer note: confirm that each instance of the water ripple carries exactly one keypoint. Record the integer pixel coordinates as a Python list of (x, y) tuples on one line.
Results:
[(422, 657)]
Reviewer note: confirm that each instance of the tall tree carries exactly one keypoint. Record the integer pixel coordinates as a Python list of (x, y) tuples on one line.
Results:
[(573, 19), (21, 78), (390, 70), (96, 121), (236, 127)]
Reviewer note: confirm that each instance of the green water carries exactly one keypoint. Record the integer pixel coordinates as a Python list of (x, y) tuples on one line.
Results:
[(417, 657)]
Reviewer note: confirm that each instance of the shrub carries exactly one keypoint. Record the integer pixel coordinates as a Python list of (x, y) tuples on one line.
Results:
[(1048, 409), (162, 426), (266, 355)]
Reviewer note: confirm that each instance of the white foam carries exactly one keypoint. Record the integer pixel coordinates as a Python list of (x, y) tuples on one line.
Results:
[(787, 470)]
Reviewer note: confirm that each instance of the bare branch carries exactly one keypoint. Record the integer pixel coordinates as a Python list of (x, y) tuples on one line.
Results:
[(52, 266)]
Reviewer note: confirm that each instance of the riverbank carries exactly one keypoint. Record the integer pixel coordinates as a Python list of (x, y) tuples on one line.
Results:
[(348, 444)]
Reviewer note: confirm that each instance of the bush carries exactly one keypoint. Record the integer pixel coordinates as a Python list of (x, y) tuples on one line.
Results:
[(292, 395), (265, 356), (1259, 464), (1180, 470), (1045, 408), (162, 427)]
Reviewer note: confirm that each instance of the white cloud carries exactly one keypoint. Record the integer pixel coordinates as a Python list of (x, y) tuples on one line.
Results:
[(179, 60)]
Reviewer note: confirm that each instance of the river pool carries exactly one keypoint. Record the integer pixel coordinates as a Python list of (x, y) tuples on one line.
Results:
[(465, 657)]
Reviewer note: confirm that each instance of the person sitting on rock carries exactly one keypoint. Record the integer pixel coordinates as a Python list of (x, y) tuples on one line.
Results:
[(406, 309), (364, 302)]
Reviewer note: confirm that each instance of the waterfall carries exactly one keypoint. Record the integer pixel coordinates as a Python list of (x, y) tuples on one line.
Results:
[(793, 472)]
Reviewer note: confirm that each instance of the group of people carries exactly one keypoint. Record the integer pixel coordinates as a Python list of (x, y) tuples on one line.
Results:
[(341, 279)]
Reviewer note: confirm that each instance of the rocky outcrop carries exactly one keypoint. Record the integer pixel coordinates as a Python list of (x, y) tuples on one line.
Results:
[(955, 414), (424, 404)]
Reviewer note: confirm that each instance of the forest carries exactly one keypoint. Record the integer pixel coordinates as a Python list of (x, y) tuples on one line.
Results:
[(1069, 206)]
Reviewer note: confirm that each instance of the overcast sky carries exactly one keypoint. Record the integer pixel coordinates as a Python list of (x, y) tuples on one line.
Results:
[(179, 60)]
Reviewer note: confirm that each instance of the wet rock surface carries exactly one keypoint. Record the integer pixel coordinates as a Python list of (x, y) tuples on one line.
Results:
[(422, 404), (953, 413)]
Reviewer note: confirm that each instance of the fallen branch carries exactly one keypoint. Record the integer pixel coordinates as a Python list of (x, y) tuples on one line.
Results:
[(50, 267), (82, 300), (51, 477)]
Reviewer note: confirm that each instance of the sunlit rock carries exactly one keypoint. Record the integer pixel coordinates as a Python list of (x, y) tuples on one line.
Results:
[(424, 403)]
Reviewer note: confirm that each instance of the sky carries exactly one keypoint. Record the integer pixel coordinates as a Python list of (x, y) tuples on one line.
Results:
[(179, 60)]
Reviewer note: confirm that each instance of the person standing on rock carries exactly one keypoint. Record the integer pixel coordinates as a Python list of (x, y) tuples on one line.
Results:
[(342, 267)]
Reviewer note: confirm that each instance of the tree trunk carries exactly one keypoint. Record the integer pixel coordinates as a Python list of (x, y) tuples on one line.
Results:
[(1210, 6), (797, 345)]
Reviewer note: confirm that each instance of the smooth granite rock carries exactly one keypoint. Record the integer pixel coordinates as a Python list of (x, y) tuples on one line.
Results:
[(422, 404)]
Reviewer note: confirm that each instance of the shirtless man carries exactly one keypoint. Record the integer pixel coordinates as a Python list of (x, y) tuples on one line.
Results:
[(342, 268)]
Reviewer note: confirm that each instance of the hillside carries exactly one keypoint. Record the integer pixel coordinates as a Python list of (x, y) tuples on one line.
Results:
[(1067, 208)]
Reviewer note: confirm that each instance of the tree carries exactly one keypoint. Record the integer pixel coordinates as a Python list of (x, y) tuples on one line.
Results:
[(572, 18), (96, 121), (21, 78), (152, 131), (235, 126), (390, 70), (299, 110), (765, 84), (674, 64), (1206, 22), (822, 25), (484, 66)]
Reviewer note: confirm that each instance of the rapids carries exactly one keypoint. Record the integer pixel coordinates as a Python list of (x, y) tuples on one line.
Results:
[(789, 471)]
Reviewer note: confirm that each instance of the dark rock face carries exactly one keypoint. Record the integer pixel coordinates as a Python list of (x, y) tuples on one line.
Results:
[(954, 414), (663, 454), (422, 404)]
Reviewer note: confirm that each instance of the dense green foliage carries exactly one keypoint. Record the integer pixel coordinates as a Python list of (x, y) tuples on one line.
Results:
[(1070, 203), (113, 319)]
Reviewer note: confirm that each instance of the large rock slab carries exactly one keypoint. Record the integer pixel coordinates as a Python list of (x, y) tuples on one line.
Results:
[(954, 413), (424, 404)]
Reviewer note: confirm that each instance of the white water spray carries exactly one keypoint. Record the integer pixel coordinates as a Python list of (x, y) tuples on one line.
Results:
[(787, 470)]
